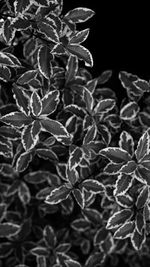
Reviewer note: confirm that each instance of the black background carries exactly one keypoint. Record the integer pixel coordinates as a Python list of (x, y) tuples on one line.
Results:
[(119, 36)]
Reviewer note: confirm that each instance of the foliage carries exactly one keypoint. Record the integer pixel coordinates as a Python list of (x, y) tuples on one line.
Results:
[(74, 162)]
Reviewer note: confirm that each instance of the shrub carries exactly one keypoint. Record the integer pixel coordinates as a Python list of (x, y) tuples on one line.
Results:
[(74, 161)]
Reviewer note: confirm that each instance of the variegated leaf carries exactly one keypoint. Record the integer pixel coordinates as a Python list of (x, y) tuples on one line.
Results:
[(80, 14), (71, 175), (24, 193), (75, 158), (125, 201), (5, 73), (49, 236), (72, 263), (119, 218), (82, 53), (23, 161), (50, 102), (126, 142), (8, 229), (48, 31), (138, 240), (123, 183), (26, 138), (5, 59), (20, 23), (129, 111), (58, 194), (21, 98), (143, 146), (89, 100), (74, 109), (142, 85), (56, 129), (47, 154), (90, 135), (104, 106), (35, 104), (79, 197), (26, 77), (115, 154), (44, 58), (93, 186), (113, 168), (80, 225), (21, 6), (16, 119), (79, 37), (142, 197), (129, 167), (71, 68), (140, 222), (125, 231)]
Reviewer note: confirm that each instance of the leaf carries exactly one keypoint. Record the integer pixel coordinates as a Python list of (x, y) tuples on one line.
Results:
[(80, 225), (127, 81), (93, 186), (6, 149), (140, 222), (24, 193), (126, 142), (39, 251), (35, 104), (57, 195), (75, 158), (138, 240), (80, 14), (115, 154), (79, 37), (79, 197), (125, 201), (44, 58), (125, 230), (20, 24), (36, 177), (47, 154), (72, 175), (90, 135), (8, 229), (119, 218), (9, 132), (23, 161), (5, 73), (142, 85), (89, 100), (48, 31), (26, 77), (50, 102), (104, 132), (74, 109), (82, 53), (129, 111), (21, 98), (142, 147), (104, 77), (5, 60), (113, 168), (3, 209), (21, 6), (72, 263), (56, 129), (8, 31), (71, 68), (16, 119), (27, 139), (104, 106), (142, 197), (129, 167), (14, 59), (49, 236), (93, 215), (123, 183)]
